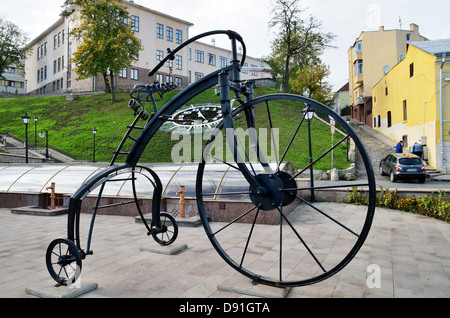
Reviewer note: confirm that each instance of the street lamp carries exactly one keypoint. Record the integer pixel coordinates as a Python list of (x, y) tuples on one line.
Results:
[(94, 132), (42, 135), (26, 120), (35, 131), (309, 115)]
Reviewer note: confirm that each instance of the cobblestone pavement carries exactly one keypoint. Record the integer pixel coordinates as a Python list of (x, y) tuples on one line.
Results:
[(411, 252)]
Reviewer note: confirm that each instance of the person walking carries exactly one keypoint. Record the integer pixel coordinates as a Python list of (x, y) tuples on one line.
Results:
[(418, 150), (399, 148)]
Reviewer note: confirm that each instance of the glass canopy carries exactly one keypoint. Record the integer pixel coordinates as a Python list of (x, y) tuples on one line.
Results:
[(218, 178)]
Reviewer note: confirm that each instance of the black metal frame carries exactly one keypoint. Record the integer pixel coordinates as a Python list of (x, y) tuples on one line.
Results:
[(228, 80)]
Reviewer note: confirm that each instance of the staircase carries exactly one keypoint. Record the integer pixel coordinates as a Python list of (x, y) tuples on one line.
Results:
[(379, 146), (16, 149)]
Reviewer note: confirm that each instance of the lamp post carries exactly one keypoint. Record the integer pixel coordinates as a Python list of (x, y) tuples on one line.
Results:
[(309, 115), (94, 132), (35, 131), (26, 120), (42, 135)]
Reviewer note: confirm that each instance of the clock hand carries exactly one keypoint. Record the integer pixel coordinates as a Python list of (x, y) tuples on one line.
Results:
[(199, 114)]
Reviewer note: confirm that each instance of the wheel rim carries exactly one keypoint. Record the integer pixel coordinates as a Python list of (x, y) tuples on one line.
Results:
[(273, 263), (63, 261), (170, 230)]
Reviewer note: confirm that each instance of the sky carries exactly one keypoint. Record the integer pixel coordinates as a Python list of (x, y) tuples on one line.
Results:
[(346, 19)]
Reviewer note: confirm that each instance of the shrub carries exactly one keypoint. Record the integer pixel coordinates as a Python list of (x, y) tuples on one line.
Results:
[(429, 205)]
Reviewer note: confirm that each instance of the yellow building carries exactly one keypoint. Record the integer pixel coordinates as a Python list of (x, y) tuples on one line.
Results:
[(412, 102), (371, 56)]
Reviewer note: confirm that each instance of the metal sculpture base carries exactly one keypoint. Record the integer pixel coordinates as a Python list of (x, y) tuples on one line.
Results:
[(166, 250), (49, 290), (242, 285)]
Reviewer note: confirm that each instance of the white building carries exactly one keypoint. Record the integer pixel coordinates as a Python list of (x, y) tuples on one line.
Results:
[(12, 81), (49, 71)]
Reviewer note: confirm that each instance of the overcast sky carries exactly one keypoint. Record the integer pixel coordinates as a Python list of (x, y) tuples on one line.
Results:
[(346, 19)]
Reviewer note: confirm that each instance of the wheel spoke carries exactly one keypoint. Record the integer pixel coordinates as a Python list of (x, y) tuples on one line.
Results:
[(249, 237), (323, 155), (301, 240), (224, 193), (292, 140), (326, 187), (234, 221), (271, 131), (326, 215)]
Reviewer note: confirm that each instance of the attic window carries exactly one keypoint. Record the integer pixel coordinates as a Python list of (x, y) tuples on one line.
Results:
[(411, 70)]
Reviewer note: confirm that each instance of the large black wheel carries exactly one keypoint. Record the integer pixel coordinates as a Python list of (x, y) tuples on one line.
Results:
[(63, 261), (168, 232), (279, 234)]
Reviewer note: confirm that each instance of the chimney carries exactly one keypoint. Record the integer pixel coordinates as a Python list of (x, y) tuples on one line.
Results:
[(381, 28), (414, 28)]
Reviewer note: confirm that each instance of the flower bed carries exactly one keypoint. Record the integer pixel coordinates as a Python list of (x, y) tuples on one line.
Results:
[(436, 206)]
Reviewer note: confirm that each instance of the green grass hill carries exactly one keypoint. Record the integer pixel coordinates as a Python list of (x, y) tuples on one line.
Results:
[(70, 125)]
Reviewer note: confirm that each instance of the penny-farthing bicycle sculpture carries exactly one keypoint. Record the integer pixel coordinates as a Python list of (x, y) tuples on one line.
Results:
[(304, 246)]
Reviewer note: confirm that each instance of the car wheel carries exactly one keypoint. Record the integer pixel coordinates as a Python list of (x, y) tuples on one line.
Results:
[(393, 177), (422, 180)]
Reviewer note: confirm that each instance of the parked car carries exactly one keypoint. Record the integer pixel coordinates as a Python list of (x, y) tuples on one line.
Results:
[(404, 166)]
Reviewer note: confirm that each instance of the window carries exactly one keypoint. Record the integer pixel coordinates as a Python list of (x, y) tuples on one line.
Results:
[(169, 34), (386, 91), (159, 56), (123, 73), (54, 67), (411, 70), (358, 47), (169, 79), (198, 76), (38, 76), (179, 36), (211, 59), (253, 72), (222, 61), (134, 74), (375, 122), (135, 23), (389, 119), (55, 41), (159, 78), (408, 37), (179, 62), (179, 81), (199, 56), (160, 31), (39, 53), (358, 67), (405, 111)]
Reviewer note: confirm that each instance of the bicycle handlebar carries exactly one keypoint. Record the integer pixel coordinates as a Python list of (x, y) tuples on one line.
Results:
[(171, 55)]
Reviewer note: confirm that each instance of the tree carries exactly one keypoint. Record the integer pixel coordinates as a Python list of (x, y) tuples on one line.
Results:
[(311, 79), (299, 42), (12, 46), (107, 40)]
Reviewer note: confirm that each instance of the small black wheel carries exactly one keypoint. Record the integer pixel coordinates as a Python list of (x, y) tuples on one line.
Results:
[(63, 261), (169, 230)]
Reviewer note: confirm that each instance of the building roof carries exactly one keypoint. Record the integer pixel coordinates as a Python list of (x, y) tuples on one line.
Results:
[(434, 47)]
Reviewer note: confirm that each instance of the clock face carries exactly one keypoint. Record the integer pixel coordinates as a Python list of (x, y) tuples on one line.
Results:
[(204, 116)]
